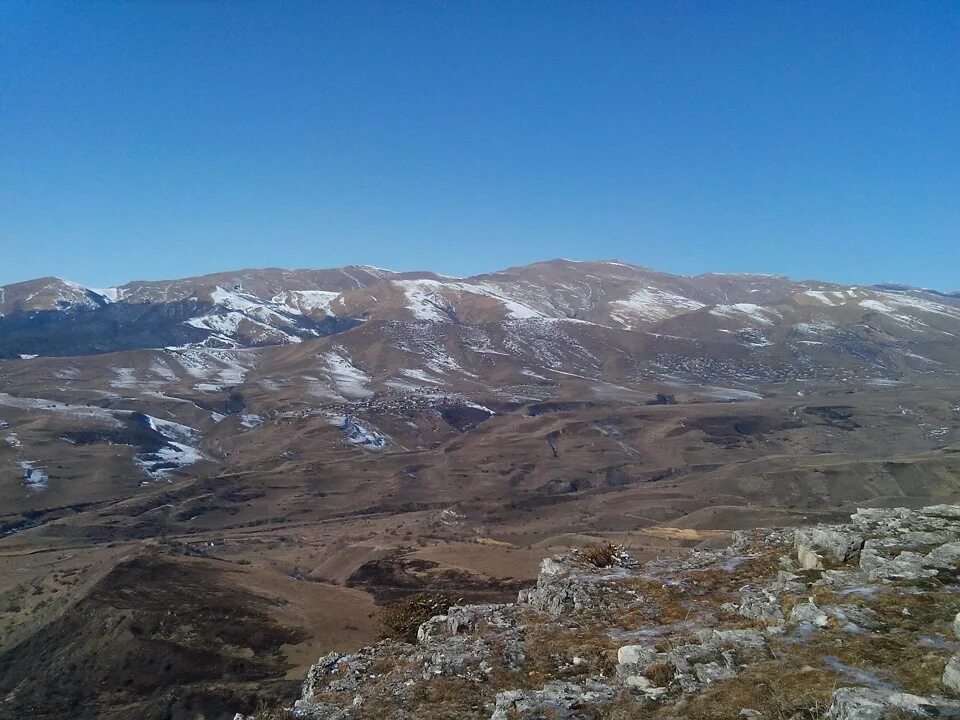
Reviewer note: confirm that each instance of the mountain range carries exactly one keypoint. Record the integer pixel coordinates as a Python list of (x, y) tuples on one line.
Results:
[(208, 483)]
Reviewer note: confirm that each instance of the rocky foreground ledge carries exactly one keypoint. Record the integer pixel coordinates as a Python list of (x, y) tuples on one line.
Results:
[(852, 622)]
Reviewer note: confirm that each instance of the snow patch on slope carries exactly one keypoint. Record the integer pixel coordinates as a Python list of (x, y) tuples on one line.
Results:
[(347, 378), (34, 477), (756, 313), (359, 434), (651, 305)]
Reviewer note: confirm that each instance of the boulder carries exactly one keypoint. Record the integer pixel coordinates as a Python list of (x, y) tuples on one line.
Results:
[(879, 564), (631, 656), (924, 707), (562, 588), (808, 559), (951, 674), (945, 557), (838, 545)]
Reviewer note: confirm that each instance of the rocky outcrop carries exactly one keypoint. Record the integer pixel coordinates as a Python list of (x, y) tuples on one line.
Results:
[(868, 631), (838, 545), (557, 699)]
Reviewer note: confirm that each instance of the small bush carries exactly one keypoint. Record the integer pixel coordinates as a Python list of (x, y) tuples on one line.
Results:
[(601, 556), (402, 618)]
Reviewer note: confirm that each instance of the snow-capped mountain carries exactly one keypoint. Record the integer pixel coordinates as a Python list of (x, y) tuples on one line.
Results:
[(558, 315)]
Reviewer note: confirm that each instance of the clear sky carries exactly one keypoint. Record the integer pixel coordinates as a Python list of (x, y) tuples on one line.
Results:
[(165, 139)]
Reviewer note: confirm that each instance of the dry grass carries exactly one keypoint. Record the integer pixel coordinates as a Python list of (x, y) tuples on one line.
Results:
[(760, 568), (436, 699), (778, 690), (266, 711), (663, 604), (550, 650)]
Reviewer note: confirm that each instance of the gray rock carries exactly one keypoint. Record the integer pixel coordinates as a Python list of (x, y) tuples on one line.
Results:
[(630, 657), (562, 588), (874, 704), (307, 710), (643, 684), (462, 619), (839, 545), (809, 614), (711, 672), (859, 616), (858, 704), (956, 625), (943, 511), (906, 565), (458, 656), (924, 706), (921, 537), (760, 604), (951, 674), (808, 559), (746, 638), (787, 582), (557, 699), (945, 557)]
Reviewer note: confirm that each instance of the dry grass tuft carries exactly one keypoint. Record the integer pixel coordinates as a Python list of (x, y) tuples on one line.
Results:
[(660, 674)]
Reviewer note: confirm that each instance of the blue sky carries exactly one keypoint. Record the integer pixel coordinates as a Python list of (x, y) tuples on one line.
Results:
[(166, 139)]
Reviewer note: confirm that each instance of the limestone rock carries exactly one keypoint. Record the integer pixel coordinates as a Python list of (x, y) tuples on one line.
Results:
[(924, 706), (839, 545), (951, 674), (945, 557), (557, 699), (858, 704)]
